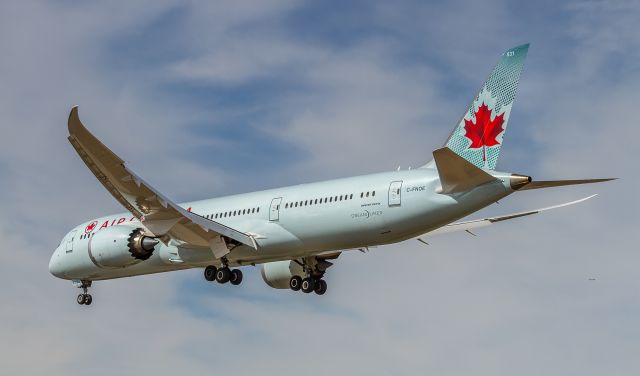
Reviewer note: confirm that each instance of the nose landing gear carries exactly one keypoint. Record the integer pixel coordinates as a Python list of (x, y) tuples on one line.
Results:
[(85, 298)]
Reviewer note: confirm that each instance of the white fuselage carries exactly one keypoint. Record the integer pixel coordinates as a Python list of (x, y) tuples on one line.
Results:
[(295, 221)]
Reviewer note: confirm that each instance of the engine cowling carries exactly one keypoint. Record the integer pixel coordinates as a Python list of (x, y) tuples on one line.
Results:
[(120, 246), (277, 274)]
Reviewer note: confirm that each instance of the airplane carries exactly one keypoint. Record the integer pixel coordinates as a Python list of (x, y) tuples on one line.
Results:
[(296, 233)]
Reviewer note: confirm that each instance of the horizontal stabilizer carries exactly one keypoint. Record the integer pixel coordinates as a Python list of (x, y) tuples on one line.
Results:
[(560, 183), (456, 173)]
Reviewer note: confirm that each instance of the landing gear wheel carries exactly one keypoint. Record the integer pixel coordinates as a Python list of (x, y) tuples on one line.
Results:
[(295, 283), (84, 298), (236, 277), (223, 275), (210, 273), (308, 285), (321, 287)]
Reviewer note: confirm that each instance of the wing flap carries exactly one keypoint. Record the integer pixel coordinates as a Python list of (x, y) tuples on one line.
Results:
[(158, 213)]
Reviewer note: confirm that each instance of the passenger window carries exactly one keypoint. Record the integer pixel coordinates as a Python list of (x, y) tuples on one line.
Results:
[(367, 194), (351, 197), (373, 193)]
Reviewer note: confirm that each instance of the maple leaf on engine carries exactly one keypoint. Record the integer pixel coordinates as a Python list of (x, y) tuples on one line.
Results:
[(484, 131)]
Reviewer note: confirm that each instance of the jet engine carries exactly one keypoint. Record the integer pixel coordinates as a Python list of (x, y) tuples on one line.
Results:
[(277, 274), (120, 246)]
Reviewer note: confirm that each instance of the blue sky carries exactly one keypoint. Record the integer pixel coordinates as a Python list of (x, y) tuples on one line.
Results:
[(209, 98)]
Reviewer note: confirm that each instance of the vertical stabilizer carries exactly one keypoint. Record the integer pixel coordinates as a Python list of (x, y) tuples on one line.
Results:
[(479, 134)]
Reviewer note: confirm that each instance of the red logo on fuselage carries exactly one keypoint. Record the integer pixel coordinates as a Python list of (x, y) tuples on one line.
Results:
[(108, 223), (90, 227)]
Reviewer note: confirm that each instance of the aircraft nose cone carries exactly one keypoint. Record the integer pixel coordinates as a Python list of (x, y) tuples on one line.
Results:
[(55, 267)]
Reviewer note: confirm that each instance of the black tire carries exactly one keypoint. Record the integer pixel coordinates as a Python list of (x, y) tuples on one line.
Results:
[(236, 277), (81, 299), (321, 287), (210, 273), (88, 299), (295, 283), (223, 275), (308, 285)]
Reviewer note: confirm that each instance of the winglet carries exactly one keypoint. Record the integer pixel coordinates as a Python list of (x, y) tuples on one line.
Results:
[(456, 173), (74, 119)]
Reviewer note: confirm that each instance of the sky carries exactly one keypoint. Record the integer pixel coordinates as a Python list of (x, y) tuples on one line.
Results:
[(207, 98)]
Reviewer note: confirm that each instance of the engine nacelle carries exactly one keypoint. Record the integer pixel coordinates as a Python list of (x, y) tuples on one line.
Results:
[(277, 274), (120, 246)]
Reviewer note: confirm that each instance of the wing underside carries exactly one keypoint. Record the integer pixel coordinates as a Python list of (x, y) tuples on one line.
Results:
[(161, 216), (478, 223)]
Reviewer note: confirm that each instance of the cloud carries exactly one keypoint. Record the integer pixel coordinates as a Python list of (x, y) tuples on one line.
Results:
[(206, 98)]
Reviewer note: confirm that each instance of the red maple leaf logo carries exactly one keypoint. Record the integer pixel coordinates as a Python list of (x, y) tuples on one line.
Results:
[(484, 131), (90, 227)]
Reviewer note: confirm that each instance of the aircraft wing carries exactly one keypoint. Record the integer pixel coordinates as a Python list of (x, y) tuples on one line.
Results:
[(478, 223), (157, 213)]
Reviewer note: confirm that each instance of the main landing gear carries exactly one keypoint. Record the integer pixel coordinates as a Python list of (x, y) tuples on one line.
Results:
[(223, 275), (308, 284), (85, 298), (314, 270)]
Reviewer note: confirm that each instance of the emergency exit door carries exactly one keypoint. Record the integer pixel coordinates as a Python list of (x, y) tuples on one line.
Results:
[(70, 239), (395, 193), (274, 212)]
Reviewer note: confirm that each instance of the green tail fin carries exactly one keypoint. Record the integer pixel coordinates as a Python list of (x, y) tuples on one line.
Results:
[(479, 134)]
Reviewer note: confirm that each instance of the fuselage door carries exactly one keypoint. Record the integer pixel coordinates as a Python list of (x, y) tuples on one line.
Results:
[(70, 237), (274, 212), (395, 192)]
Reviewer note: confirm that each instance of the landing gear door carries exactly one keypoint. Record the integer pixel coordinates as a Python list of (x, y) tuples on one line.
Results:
[(274, 211), (395, 193), (70, 238)]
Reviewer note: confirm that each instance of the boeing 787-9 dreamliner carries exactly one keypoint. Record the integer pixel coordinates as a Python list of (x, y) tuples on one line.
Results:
[(296, 233)]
